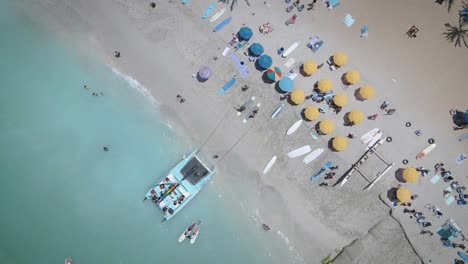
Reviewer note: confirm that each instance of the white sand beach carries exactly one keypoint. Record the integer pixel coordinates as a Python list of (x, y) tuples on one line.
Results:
[(423, 78)]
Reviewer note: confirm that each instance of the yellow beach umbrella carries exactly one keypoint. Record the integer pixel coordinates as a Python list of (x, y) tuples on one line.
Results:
[(297, 96), (403, 195), (355, 117), (340, 99), (311, 113), (366, 92), (353, 76), (309, 67), (410, 174), (339, 143), (340, 59), (326, 126), (324, 85)]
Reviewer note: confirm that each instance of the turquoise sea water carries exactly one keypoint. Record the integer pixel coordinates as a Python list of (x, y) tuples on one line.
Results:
[(61, 195)]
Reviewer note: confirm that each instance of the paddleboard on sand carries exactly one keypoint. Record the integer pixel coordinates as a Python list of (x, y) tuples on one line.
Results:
[(217, 15), (227, 86), (299, 151), (290, 49), (321, 171), (426, 151), (208, 11), (294, 127), (222, 24), (312, 156), (374, 140), (186, 232), (369, 134), (277, 111), (269, 165)]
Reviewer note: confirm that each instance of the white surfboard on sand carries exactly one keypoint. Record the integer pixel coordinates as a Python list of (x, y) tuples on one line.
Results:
[(374, 140), (369, 134), (217, 15), (426, 151), (290, 49), (313, 155), (294, 127), (299, 151), (269, 165)]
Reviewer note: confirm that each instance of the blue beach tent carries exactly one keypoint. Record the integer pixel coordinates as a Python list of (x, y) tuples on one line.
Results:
[(264, 62), (245, 33), (256, 49)]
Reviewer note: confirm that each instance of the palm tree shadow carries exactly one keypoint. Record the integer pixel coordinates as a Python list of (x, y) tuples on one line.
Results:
[(456, 34), (233, 3)]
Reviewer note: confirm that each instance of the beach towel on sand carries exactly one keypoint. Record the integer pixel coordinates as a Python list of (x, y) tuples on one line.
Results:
[(241, 67), (435, 179), (450, 200)]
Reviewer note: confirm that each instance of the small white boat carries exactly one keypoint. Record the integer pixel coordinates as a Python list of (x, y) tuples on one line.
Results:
[(194, 236), (187, 232)]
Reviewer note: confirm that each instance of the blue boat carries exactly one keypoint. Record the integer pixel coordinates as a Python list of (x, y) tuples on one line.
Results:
[(180, 185), (208, 11), (321, 171), (227, 86), (222, 24)]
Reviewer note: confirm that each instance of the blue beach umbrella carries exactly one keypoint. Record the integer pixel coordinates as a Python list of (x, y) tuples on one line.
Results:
[(256, 49), (286, 84), (245, 33), (264, 62)]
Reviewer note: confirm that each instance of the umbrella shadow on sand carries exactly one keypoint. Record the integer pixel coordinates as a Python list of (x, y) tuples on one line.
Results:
[(200, 79), (346, 121), (358, 96), (265, 78), (399, 175), (277, 88), (302, 72), (391, 194)]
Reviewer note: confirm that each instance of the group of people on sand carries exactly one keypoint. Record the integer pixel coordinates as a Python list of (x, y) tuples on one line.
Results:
[(180, 99)]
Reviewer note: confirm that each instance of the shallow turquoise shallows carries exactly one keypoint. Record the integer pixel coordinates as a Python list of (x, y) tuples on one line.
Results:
[(62, 195)]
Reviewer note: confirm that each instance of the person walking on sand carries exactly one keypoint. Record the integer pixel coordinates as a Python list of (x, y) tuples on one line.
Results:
[(178, 96), (391, 111), (373, 117), (351, 136), (384, 105)]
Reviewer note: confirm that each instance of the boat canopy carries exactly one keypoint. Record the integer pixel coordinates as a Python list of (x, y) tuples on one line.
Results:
[(194, 170)]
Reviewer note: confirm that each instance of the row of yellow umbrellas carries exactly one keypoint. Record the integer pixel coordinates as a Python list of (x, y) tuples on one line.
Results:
[(339, 99), (410, 174)]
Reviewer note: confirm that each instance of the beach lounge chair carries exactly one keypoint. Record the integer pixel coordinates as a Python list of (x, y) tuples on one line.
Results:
[(348, 20)]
